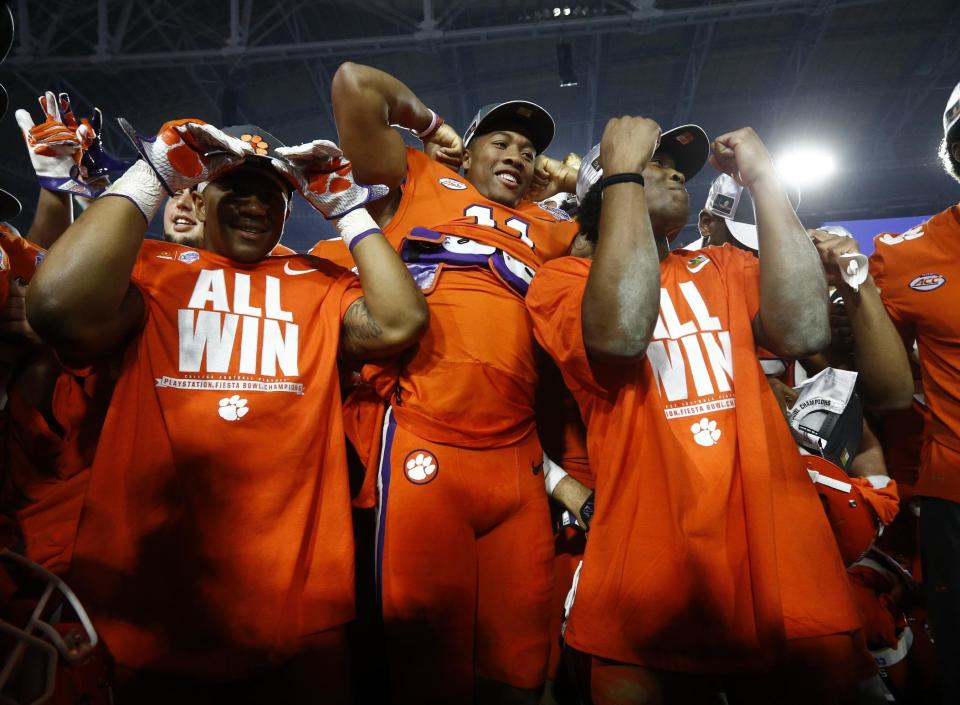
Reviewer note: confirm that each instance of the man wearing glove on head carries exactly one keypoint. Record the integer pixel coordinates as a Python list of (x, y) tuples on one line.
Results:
[(708, 551), (467, 609), (215, 542)]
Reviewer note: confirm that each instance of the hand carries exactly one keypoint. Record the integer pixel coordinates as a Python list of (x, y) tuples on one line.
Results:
[(325, 178), (831, 248), (187, 151), (786, 396), (550, 177), (627, 145), (743, 155), (56, 145), (445, 146)]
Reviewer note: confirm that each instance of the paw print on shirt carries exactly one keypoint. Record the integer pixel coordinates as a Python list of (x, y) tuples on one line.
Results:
[(705, 432), (233, 408), (420, 467)]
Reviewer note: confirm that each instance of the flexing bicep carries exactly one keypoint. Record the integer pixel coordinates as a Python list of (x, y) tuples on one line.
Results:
[(361, 336), (363, 106)]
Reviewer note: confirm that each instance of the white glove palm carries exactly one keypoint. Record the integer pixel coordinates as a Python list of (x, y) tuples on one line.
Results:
[(55, 149)]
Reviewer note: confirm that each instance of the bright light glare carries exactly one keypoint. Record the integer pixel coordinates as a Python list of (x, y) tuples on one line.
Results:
[(806, 166), (557, 11), (566, 12)]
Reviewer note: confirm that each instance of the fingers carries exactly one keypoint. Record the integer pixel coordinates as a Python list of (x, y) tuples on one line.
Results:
[(25, 121), (96, 120), (48, 101)]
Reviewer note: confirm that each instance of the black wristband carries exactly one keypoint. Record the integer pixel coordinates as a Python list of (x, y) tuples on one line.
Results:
[(586, 509), (626, 178)]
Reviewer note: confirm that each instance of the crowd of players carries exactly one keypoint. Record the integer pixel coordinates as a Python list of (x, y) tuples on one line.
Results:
[(494, 443)]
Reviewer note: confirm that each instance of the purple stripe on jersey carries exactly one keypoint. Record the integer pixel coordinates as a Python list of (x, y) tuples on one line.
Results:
[(390, 426)]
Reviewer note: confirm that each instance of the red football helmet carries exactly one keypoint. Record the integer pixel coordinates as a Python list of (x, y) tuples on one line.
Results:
[(49, 648), (854, 523)]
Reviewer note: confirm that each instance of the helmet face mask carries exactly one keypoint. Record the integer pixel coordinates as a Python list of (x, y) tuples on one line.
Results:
[(43, 629)]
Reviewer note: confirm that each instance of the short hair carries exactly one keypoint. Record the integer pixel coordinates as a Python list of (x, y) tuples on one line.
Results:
[(588, 214), (950, 163)]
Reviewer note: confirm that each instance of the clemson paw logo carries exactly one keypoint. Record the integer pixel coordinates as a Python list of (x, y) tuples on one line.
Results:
[(233, 408), (420, 467), (333, 178), (705, 432), (257, 142)]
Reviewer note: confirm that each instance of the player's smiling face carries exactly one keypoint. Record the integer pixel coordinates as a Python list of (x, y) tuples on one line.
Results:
[(180, 224), (243, 213), (500, 165), (667, 199)]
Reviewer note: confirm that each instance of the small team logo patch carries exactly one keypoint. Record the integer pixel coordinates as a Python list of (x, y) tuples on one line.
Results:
[(164, 255), (453, 184), (557, 213), (684, 138), (259, 145), (928, 282), (705, 432), (39, 259), (697, 263), (188, 257), (420, 467), (232, 408)]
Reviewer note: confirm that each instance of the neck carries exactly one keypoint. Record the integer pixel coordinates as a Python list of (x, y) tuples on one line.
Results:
[(663, 247)]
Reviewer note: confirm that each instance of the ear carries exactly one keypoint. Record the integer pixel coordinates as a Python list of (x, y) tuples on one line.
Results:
[(705, 223), (955, 151), (465, 164), (199, 206), (582, 247)]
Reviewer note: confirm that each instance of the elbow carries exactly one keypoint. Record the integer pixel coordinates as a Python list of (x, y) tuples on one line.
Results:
[(616, 349), (410, 329), (894, 397), (347, 77), (46, 313)]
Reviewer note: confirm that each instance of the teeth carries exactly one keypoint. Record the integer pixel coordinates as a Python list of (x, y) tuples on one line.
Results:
[(509, 178)]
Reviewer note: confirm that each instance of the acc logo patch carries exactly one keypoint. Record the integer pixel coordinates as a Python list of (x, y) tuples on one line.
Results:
[(453, 184), (188, 257), (557, 213), (928, 282), (420, 467)]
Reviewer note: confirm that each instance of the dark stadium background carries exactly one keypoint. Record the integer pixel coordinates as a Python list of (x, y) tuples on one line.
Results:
[(867, 79)]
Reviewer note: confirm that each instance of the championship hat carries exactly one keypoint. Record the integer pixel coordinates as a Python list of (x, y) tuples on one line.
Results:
[(265, 148), (536, 120), (687, 145), (951, 113), (827, 417), (732, 202)]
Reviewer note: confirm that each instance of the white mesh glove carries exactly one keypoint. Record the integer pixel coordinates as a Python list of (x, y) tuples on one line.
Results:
[(325, 178), (185, 152), (56, 148)]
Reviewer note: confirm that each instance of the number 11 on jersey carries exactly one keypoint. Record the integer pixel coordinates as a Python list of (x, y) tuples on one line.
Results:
[(484, 216)]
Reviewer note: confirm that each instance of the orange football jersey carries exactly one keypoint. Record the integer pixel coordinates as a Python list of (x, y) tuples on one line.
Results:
[(216, 529), (471, 380), (917, 273), (708, 546)]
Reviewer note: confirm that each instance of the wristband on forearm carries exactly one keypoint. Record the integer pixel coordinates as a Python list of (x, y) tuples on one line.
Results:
[(552, 474), (586, 511), (140, 185), (435, 122), (355, 226), (625, 178)]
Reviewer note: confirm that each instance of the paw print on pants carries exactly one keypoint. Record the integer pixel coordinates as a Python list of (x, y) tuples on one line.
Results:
[(705, 432), (233, 408), (420, 467)]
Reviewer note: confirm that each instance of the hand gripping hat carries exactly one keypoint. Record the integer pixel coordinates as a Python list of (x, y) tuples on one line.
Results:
[(731, 201), (537, 121), (827, 417), (688, 145)]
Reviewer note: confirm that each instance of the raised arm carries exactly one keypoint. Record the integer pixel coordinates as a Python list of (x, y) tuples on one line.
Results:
[(366, 102), (793, 319), (885, 380), (622, 295)]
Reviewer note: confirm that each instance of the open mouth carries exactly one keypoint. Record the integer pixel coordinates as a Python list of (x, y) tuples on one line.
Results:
[(251, 229), (509, 178), (182, 224)]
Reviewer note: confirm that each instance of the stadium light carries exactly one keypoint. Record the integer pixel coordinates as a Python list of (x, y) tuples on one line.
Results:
[(806, 166)]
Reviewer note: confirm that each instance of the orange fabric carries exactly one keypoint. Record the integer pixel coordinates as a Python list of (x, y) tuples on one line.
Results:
[(212, 538), (902, 443), (561, 430), (471, 380), (885, 502), (918, 274), (281, 250), (466, 569), (18, 258), (707, 530)]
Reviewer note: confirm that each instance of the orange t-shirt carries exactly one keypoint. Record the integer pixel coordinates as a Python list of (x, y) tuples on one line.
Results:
[(471, 380), (708, 547), (918, 273), (216, 528)]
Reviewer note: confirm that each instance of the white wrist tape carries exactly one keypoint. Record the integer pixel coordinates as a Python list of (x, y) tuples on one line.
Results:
[(552, 474), (878, 481), (355, 226), (140, 185)]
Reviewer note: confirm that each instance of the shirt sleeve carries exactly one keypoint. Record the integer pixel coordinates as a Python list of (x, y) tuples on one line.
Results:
[(880, 266), (554, 301)]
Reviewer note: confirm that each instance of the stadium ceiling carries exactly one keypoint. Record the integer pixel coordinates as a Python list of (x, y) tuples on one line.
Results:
[(866, 77)]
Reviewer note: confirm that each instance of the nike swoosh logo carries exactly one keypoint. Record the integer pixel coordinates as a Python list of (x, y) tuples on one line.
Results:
[(295, 272)]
